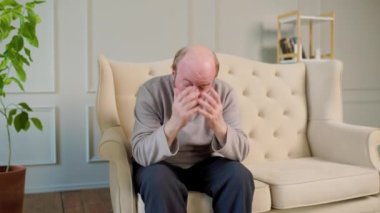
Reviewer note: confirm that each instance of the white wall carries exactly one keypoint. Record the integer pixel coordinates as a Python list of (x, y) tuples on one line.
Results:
[(358, 45), (73, 33)]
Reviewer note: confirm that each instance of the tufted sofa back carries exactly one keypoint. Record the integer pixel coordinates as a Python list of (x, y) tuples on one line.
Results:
[(272, 99)]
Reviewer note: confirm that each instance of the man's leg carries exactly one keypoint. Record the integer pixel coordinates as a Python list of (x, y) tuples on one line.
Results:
[(228, 182), (160, 188)]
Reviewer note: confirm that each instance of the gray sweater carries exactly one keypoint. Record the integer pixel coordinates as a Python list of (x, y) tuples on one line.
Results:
[(195, 141)]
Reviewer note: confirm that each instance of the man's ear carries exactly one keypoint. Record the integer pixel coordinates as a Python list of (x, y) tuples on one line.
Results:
[(174, 73)]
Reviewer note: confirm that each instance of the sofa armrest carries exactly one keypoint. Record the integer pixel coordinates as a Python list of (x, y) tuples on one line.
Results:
[(113, 146), (345, 143), (114, 149)]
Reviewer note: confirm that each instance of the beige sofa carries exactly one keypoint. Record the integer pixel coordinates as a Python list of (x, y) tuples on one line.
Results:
[(303, 157)]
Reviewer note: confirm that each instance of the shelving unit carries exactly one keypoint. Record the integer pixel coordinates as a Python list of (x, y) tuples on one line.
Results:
[(298, 20)]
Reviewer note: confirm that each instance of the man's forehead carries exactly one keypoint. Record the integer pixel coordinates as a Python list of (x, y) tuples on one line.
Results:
[(197, 61)]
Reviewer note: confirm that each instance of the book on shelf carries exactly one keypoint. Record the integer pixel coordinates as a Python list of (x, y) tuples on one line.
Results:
[(289, 45)]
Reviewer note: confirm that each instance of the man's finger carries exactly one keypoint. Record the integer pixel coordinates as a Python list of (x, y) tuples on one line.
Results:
[(190, 105), (206, 106), (205, 113), (215, 95), (210, 100), (190, 96), (185, 92), (193, 111)]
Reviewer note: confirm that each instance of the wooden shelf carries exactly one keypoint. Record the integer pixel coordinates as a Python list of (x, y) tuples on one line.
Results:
[(297, 19), (305, 19)]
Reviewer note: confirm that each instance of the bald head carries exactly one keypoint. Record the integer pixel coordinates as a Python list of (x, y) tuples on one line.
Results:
[(195, 65), (194, 50)]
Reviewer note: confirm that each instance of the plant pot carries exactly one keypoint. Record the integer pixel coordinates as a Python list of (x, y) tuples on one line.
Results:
[(12, 189)]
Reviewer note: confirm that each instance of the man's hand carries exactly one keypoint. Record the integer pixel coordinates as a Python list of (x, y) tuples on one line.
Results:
[(185, 105), (212, 108)]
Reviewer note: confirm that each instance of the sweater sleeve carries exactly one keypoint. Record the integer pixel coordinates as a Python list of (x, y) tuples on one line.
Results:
[(236, 144), (149, 143)]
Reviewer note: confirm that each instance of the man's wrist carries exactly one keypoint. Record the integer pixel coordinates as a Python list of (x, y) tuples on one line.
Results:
[(221, 132), (171, 130)]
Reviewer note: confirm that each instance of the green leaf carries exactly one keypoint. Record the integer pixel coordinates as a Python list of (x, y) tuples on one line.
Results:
[(24, 60), (25, 106), (27, 125), (37, 123), (19, 70), (10, 3), (5, 25), (21, 120), (38, 2), (4, 64), (11, 113), (17, 12), (18, 43), (2, 93), (18, 82), (27, 52), (1, 82), (28, 30), (33, 17), (30, 5)]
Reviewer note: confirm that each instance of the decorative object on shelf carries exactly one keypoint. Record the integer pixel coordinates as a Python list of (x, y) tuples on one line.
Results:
[(290, 49), (18, 23), (288, 45)]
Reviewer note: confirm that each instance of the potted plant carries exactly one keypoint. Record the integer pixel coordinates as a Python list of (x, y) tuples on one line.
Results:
[(18, 23)]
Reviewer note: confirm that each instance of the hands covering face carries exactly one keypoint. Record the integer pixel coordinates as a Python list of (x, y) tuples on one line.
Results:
[(191, 100), (185, 105)]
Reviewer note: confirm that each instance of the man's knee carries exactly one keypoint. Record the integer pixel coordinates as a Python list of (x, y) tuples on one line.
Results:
[(155, 177), (238, 174)]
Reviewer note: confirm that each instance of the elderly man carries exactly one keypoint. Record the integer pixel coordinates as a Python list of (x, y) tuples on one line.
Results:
[(187, 136)]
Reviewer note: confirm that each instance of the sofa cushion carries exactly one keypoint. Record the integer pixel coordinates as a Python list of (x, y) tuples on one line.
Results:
[(201, 203), (311, 181)]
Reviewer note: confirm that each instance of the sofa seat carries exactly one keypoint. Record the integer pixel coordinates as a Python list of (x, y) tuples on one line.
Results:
[(201, 203), (311, 181)]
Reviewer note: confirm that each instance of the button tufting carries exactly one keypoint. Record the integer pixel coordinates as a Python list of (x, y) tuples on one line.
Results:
[(245, 92), (254, 72), (151, 72), (260, 114), (251, 134), (269, 94), (266, 156), (293, 92), (275, 134), (285, 113), (277, 74), (230, 71)]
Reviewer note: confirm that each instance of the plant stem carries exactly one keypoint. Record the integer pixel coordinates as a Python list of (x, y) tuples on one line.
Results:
[(4, 113), (10, 148)]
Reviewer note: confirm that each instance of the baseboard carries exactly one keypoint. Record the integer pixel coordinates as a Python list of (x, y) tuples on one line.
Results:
[(66, 187)]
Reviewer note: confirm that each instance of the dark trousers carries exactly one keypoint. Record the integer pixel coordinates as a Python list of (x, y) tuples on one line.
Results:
[(164, 187)]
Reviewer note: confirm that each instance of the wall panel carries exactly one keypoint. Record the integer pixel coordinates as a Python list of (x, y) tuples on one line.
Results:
[(33, 147)]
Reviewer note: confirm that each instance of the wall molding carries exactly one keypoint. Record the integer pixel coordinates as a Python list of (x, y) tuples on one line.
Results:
[(67, 187), (52, 160), (91, 147), (53, 68), (362, 102), (362, 89)]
